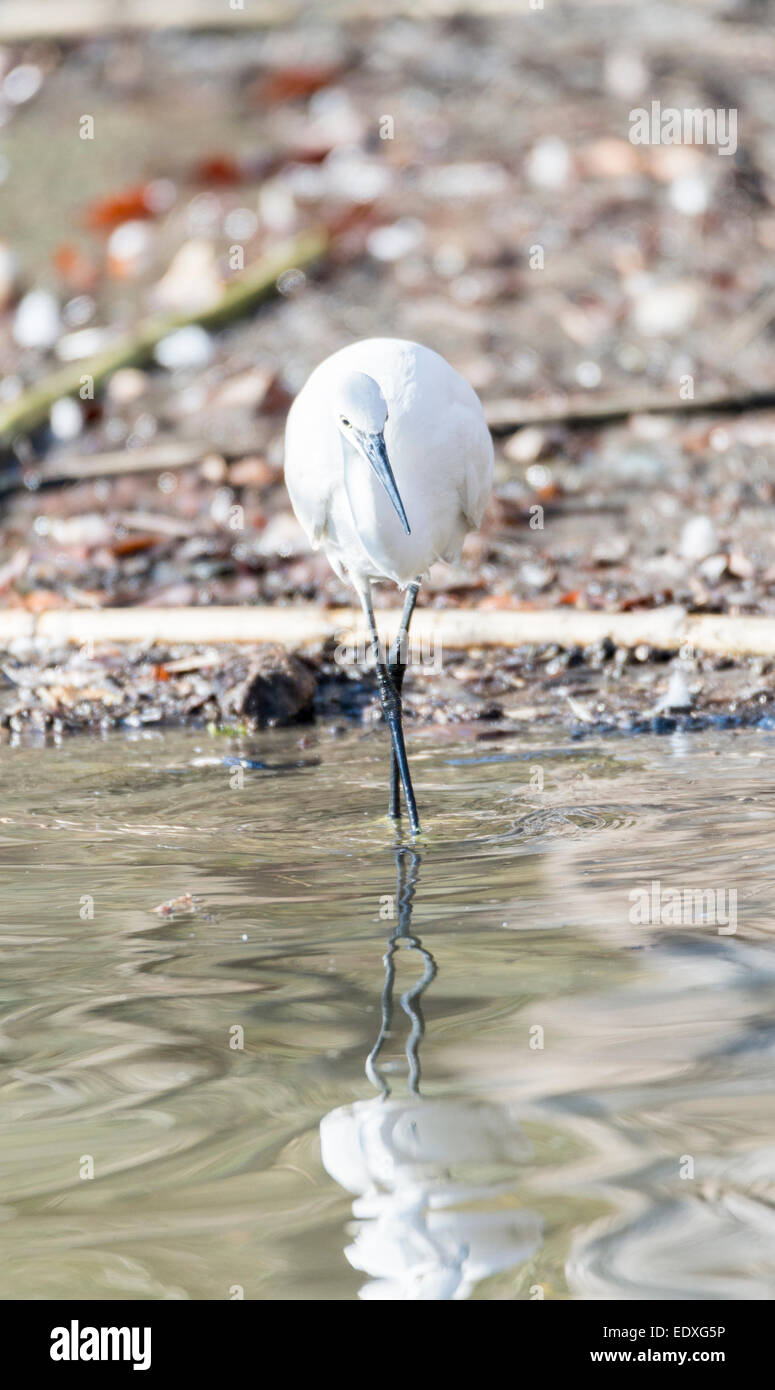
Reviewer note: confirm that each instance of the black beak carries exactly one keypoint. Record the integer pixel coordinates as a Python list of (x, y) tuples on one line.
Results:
[(375, 450)]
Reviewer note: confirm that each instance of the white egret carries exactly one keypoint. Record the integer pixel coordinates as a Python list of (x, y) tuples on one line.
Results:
[(388, 462)]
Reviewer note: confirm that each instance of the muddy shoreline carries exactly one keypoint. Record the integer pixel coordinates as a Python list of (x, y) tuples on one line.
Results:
[(233, 689)]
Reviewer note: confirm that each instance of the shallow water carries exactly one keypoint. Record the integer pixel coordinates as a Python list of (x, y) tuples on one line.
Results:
[(595, 1108)]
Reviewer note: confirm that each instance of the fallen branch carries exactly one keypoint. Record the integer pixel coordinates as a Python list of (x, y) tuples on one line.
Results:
[(665, 629), (157, 458), (748, 46), (39, 19), (506, 415), (255, 283)]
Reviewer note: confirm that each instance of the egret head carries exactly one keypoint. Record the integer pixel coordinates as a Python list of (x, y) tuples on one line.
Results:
[(360, 411)]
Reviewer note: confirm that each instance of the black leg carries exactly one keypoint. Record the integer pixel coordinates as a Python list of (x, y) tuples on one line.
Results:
[(396, 669), (391, 708)]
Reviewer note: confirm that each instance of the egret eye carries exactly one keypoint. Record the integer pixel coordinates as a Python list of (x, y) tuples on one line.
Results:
[(346, 423)]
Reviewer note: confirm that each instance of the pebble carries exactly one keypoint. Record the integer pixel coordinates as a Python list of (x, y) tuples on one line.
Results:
[(713, 568), (277, 205), (22, 83), (355, 178), (83, 343), (187, 347), (246, 391), (78, 311), (526, 445), (537, 576), (609, 159), (128, 248), (252, 471), (241, 224), (397, 240), (468, 181), (8, 273), (625, 74), (739, 565), (689, 195), (549, 163), (36, 322), (663, 310), (611, 551), (278, 688), (192, 280), (213, 469), (282, 536), (66, 418), (90, 530), (538, 476), (449, 260), (588, 375), (127, 385), (677, 696), (698, 539), (290, 281)]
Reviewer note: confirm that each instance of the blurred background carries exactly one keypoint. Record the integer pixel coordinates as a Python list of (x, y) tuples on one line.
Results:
[(461, 175), (199, 202)]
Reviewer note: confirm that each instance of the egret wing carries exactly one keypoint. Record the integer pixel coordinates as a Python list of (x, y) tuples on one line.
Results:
[(310, 472), (476, 451)]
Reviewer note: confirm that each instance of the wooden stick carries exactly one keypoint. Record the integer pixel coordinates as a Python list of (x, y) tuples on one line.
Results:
[(39, 19), (255, 283), (741, 44), (151, 458), (156, 458), (506, 415), (666, 629)]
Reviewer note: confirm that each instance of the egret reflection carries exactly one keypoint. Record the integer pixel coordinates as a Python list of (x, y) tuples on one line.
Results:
[(433, 1178)]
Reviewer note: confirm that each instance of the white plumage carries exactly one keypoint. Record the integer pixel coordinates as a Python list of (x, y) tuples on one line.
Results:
[(438, 445), (388, 461)]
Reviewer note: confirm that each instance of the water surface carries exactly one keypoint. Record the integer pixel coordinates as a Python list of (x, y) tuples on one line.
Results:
[(588, 1114)]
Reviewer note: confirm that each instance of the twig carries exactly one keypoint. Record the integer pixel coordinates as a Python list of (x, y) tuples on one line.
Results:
[(154, 524), (157, 458), (665, 629), (746, 45), (255, 283), (751, 324), (39, 19), (506, 415)]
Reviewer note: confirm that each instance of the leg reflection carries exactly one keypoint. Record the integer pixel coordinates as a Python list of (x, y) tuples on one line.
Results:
[(407, 874)]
